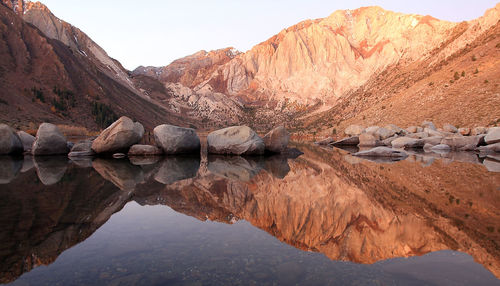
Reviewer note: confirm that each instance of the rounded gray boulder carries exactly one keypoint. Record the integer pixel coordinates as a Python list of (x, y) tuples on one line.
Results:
[(9, 141), (176, 140), (119, 136), (235, 140), (49, 141)]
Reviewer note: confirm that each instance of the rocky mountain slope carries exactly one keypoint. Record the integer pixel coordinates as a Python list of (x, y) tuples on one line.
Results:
[(316, 65), (51, 71)]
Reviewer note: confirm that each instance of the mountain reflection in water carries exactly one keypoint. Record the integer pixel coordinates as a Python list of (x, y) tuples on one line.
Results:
[(325, 201)]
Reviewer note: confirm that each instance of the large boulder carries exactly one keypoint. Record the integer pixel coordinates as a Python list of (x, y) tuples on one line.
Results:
[(119, 136), (384, 133), (459, 141), (449, 128), (349, 141), (235, 140), (407, 142), (82, 149), (276, 140), (27, 140), (144, 150), (9, 141), (368, 140), (418, 135), (49, 141), (382, 152), (493, 136), (354, 130), (176, 140)]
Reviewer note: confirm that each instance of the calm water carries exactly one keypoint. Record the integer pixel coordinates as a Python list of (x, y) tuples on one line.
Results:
[(322, 218)]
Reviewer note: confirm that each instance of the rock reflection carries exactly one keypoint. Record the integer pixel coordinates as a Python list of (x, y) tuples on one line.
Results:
[(354, 210), (177, 168), (9, 168), (235, 167), (50, 170), (28, 164), (119, 172)]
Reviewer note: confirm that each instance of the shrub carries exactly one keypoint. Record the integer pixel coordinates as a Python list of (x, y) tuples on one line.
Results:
[(456, 76), (463, 74), (486, 81), (476, 71), (38, 94), (103, 114), (473, 58), (65, 99), (431, 83)]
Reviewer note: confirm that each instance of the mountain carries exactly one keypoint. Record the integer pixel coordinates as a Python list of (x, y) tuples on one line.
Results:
[(314, 66), (51, 71), (365, 66)]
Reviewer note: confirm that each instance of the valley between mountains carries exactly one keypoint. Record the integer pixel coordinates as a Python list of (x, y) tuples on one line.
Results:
[(367, 66)]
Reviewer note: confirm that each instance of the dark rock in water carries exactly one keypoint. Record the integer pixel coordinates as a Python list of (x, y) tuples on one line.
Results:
[(235, 167), (325, 141), (382, 152), (119, 172), (144, 150), (349, 141), (119, 136), (119, 155), (177, 140), (235, 140), (51, 170), (82, 149), (441, 148), (9, 168), (10, 143), (407, 142), (49, 141), (276, 140), (177, 168)]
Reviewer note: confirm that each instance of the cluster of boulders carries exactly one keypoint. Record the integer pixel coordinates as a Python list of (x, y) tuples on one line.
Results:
[(122, 137), (390, 140)]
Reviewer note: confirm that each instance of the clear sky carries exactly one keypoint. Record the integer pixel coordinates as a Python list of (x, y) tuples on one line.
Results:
[(156, 32)]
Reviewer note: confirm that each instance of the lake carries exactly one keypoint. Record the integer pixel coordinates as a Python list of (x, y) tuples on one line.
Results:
[(318, 218)]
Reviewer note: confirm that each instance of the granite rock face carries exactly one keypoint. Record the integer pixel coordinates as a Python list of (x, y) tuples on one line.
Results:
[(235, 140), (176, 140), (119, 136)]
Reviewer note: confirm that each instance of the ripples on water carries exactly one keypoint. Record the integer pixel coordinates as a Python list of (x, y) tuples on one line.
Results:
[(322, 218)]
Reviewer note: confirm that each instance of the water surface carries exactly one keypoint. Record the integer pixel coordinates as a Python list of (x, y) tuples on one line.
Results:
[(322, 218)]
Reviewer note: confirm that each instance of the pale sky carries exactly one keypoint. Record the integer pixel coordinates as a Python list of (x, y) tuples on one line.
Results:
[(157, 32)]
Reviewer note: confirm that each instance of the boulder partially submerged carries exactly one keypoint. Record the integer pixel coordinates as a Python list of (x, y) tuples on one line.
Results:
[(382, 152), (119, 136), (10, 143), (235, 140), (176, 140), (49, 141), (276, 140)]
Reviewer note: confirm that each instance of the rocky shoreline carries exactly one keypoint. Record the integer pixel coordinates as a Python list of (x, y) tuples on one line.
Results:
[(397, 143), (123, 136)]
